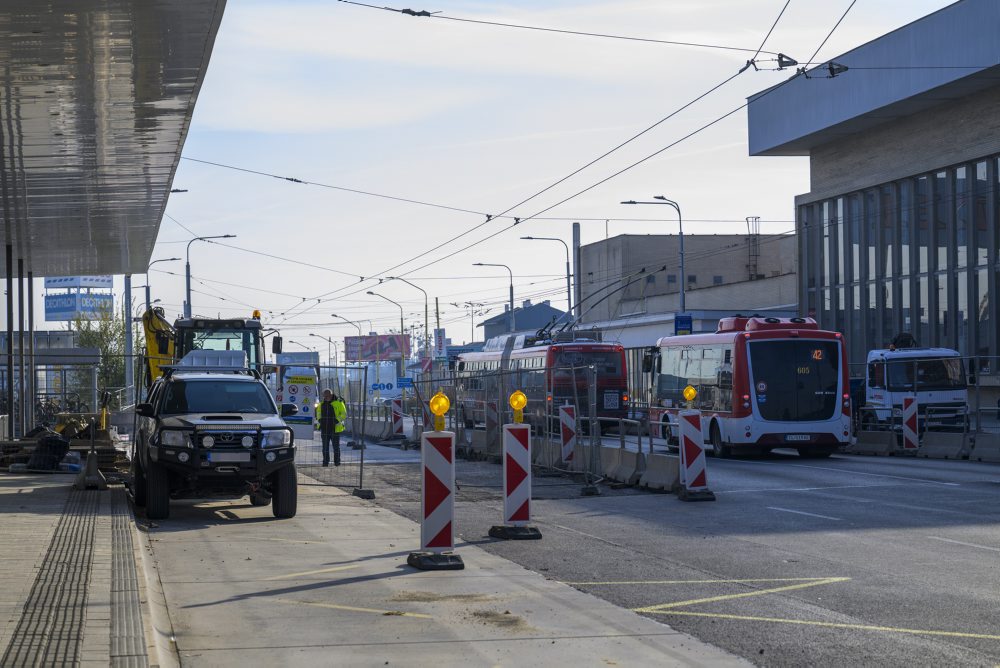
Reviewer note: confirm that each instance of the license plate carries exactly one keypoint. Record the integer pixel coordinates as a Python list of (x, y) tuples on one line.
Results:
[(611, 400), (229, 456), (797, 437)]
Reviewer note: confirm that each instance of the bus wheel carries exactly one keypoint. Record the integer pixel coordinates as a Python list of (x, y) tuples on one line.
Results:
[(719, 449)]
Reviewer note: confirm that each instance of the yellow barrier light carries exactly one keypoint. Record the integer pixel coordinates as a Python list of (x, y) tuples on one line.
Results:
[(690, 393), (518, 401), (439, 405)]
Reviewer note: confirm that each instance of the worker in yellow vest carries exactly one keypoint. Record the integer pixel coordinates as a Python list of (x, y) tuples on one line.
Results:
[(330, 416)]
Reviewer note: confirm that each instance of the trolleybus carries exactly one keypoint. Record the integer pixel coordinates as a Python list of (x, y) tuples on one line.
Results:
[(762, 383), (551, 373)]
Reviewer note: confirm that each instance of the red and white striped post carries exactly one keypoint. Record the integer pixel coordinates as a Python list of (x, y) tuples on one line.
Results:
[(693, 472), (437, 500), (911, 442), (397, 418), (567, 432), (516, 477)]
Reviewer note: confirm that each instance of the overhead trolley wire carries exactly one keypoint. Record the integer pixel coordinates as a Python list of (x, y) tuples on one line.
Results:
[(562, 31)]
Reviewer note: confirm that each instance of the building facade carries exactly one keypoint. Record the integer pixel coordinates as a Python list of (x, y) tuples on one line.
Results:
[(899, 231)]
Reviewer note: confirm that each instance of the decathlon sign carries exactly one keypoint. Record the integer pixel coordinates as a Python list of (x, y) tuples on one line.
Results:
[(73, 305)]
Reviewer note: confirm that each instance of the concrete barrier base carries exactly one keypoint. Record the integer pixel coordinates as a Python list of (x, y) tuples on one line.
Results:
[(630, 467), (874, 443), (942, 445), (986, 448), (610, 458), (662, 472)]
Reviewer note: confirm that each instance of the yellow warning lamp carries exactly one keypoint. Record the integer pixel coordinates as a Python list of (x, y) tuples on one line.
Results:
[(439, 405), (256, 314), (518, 401), (689, 394)]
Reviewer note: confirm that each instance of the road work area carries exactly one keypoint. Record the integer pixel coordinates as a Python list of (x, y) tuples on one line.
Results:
[(849, 560), (331, 587)]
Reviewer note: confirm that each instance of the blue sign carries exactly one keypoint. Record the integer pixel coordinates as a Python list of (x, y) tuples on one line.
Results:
[(404, 383), (73, 305), (683, 324)]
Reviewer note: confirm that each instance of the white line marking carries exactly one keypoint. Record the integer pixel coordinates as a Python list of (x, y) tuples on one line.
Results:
[(799, 512), (958, 542), (808, 489), (877, 475)]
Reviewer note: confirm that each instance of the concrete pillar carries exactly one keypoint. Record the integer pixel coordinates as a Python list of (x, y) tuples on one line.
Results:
[(10, 341)]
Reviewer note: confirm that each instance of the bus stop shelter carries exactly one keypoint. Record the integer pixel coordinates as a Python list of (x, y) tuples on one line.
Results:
[(96, 98)]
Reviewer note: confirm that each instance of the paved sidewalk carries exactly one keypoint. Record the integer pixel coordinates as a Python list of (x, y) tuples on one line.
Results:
[(331, 587), (69, 594)]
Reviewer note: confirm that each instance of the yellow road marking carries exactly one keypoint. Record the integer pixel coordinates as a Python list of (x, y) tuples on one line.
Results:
[(322, 570), (832, 625), (671, 582), (730, 597), (350, 608)]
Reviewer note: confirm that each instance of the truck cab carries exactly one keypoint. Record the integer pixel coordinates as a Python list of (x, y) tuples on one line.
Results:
[(935, 377)]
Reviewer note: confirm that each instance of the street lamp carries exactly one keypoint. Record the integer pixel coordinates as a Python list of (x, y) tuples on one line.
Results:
[(426, 309), (349, 322), (149, 304), (302, 345), (401, 326), (513, 324), (187, 269), (329, 342), (680, 224), (569, 292)]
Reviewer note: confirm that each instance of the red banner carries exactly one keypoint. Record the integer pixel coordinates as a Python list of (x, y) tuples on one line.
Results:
[(376, 348)]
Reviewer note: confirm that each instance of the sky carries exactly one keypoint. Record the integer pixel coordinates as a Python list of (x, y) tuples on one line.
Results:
[(474, 117)]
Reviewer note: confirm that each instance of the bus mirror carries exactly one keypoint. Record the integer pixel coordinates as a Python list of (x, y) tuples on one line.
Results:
[(647, 362), (276, 344)]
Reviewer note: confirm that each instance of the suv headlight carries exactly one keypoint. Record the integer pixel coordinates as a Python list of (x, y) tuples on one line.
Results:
[(276, 438), (175, 439)]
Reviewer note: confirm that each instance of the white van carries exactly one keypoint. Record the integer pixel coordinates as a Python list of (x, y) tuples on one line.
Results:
[(941, 389)]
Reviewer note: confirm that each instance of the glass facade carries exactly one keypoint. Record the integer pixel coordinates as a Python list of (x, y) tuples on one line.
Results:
[(918, 255)]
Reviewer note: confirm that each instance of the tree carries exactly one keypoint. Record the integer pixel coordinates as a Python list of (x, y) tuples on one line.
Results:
[(106, 332)]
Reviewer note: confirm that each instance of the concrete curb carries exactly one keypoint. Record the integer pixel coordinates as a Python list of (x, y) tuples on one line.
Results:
[(160, 638)]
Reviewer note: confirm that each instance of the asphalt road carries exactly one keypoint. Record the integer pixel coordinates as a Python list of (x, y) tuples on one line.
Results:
[(843, 561)]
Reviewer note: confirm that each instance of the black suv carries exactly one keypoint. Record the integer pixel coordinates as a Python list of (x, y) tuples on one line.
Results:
[(212, 434)]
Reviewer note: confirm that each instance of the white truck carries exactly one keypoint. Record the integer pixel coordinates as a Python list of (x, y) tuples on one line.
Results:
[(940, 389)]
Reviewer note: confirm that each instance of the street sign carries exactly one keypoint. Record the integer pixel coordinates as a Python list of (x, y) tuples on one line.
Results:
[(683, 324), (404, 382)]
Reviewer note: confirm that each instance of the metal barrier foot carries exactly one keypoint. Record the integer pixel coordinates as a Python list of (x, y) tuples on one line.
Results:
[(431, 561), (515, 533), (367, 494), (699, 495)]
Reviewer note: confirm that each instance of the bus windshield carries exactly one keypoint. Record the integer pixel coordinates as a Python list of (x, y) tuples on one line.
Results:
[(606, 363), (795, 380), (939, 373)]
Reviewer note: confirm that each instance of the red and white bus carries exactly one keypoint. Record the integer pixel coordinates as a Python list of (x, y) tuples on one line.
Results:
[(550, 373), (762, 383)]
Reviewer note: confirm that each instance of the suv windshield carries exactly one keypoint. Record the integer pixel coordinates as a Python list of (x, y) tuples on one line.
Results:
[(940, 373), (216, 396)]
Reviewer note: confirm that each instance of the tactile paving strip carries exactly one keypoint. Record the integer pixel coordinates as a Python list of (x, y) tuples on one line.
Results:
[(51, 627), (128, 644)]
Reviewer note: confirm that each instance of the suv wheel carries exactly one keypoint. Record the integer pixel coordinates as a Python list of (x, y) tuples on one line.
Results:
[(284, 492), (138, 482), (157, 492)]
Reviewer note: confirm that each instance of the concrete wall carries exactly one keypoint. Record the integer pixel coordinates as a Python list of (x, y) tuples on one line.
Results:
[(950, 133), (727, 257)]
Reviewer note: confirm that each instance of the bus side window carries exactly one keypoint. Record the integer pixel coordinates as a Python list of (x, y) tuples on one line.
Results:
[(876, 374)]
